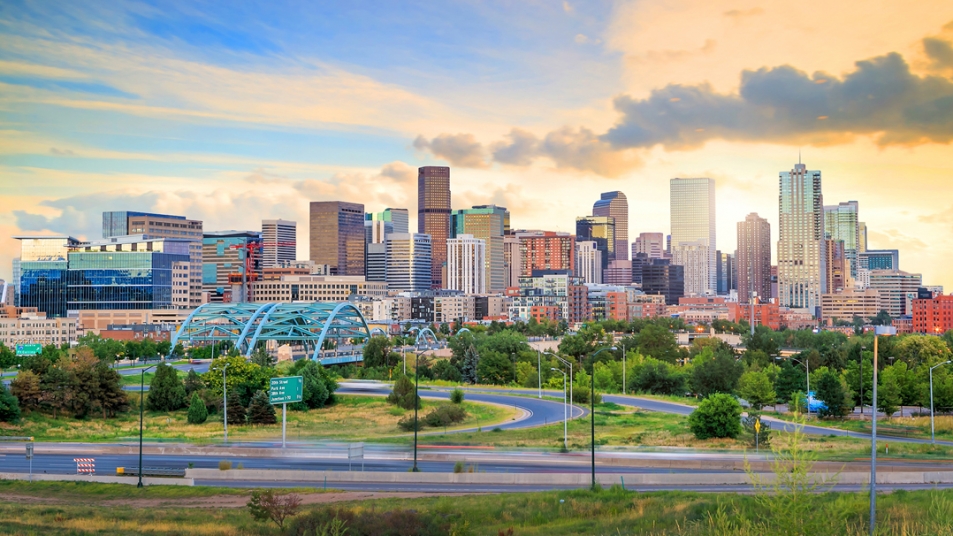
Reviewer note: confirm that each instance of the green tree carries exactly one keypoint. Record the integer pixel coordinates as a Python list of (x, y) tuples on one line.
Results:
[(719, 415), (236, 411), (756, 388), (791, 379), (882, 319), (605, 380), (193, 383), (262, 358), (26, 387), (260, 410), (404, 393), (9, 405), (764, 340), (111, 398), (495, 368), (166, 392), (55, 386), (443, 369), (243, 378), (376, 352), (919, 349), (715, 373), (658, 342), (470, 366), (318, 385), (658, 377), (888, 393), (198, 413), (7, 357), (831, 392)]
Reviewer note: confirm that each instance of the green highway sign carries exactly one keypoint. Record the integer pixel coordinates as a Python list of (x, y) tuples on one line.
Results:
[(286, 390), (29, 349)]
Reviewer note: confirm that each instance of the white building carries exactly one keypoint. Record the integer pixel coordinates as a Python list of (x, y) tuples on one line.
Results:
[(693, 227), (588, 262), (466, 264), (278, 242), (801, 253), (408, 262), (695, 257)]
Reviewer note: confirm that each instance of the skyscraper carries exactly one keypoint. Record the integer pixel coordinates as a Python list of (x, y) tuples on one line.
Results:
[(546, 250), (801, 252), (408, 261), (378, 224), (43, 273), (278, 242), (652, 244), (601, 230), (616, 206), (754, 258), (512, 261), (840, 223), (727, 272), (337, 236), (466, 264), (693, 227), (487, 223), (588, 262), (433, 215)]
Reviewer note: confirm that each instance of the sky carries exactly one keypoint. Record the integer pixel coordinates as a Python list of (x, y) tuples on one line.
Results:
[(234, 112)]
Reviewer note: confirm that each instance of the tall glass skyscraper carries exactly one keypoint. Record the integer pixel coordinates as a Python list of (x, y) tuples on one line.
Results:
[(601, 230), (44, 261), (693, 233), (801, 252), (433, 215), (616, 206), (337, 236), (841, 223)]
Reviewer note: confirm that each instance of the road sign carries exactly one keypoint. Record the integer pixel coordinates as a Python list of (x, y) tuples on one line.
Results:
[(29, 451), (28, 349), (286, 390)]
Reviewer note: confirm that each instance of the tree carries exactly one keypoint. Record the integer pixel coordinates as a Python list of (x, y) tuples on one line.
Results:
[(193, 383), (9, 405), (831, 392), (166, 392), (55, 386), (882, 318), (236, 411), (888, 394), (764, 339), (262, 358), (495, 368), (715, 373), (719, 415), (376, 352), (443, 369), (404, 393), (658, 342), (318, 386), (198, 413), (243, 378), (658, 377), (112, 399), (26, 387), (756, 388), (7, 357), (260, 410), (471, 363), (919, 349), (265, 505)]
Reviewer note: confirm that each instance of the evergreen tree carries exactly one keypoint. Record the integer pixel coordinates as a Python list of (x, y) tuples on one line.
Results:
[(471, 360), (166, 392), (198, 413), (790, 380), (888, 395), (111, 398), (832, 393), (317, 385), (404, 393), (236, 411), (262, 358), (55, 386), (260, 411), (9, 406), (193, 383)]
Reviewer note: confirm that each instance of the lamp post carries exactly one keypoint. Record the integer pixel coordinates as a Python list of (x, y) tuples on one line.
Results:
[(932, 434), (565, 411), (416, 404), (568, 364), (862, 348), (623, 369), (224, 400), (142, 388), (592, 411), (873, 446), (539, 371)]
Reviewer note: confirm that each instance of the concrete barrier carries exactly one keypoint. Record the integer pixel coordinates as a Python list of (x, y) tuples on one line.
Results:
[(146, 481)]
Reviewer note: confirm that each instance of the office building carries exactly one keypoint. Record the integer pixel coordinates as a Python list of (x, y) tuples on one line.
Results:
[(693, 233), (619, 272), (230, 258), (408, 259), (726, 272), (487, 223), (466, 264), (754, 258), (848, 304), (376, 262), (512, 261), (897, 290), (278, 241), (861, 237), (664, 279), (933, 315), (433, 215), (601, 230), (122, 223), (588, 262), (546, 250), (837, 267), (377, 225), (841, 224), (652, 244), (314, 288), (44, 261), (547, 289), (337, 236), (615, 205), (36, 328), (801, 252), (875, 259)]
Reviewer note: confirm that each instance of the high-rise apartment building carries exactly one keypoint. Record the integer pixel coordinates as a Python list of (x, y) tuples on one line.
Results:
[(466, 264), (44, 261), (841, 223), (754, 258), (230, 258), (278, 242), (337, 236), (433, 215), (693, 232), (408, 260), (616, 206), (801, 252), (836, 268), (512, 261), (546, 250), (652, 244), (588, 262), (601, 230), (487, 223), (897, 289), (123, 223)]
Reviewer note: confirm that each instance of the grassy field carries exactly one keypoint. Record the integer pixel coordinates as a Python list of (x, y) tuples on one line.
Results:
[(134, 379), (353, 417), (102, 509), (916, 427)]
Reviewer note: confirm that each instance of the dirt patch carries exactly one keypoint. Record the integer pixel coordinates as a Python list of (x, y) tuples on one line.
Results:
[(217, 501)]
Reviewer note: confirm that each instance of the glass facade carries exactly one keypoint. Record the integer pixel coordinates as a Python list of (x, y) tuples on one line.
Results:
[(840, 224), (337, 236), (42, 273), (616, 205), (601, 230), (223, 254), (488, 223), (693, 223), (801, 255), (433, 215), (121, 280)]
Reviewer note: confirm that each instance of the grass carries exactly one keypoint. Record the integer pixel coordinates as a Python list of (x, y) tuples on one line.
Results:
[(101, 510), (134, 379), (352, 417), (686, 400), (914, 427)]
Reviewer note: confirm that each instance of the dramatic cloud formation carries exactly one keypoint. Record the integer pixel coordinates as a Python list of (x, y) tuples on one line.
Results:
[(939, 51), (459, 149)]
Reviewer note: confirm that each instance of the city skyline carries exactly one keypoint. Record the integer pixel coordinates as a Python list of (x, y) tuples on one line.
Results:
[(189, 137)]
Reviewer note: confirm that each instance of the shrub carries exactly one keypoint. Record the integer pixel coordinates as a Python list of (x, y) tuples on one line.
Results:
[(340, 521), (719, 415), (404, 393), (197, 410), (193, 383), (236, 411), (458, 467), (260, 411), (224, 465), (798, 403), (445, 416), (166, 392), (407, 423), (456, 396), (759, 439), (265, 505)]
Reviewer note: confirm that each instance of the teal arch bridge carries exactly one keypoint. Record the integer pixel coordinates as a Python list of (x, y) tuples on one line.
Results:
[(331, 333)]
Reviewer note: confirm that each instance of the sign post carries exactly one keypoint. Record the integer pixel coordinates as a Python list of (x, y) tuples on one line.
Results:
[(29, 456), (282, 391)]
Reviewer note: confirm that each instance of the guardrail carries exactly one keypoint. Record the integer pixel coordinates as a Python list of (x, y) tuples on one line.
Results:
[(151, 471)]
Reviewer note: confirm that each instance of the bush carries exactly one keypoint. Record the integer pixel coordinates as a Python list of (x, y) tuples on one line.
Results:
[(224, 465), (445, 416), (798, 403), (166, 392), (658, 377), (265, 505), (260, 411), (719, 415), (404, 393), (9, 406), (760, 439), (456, 396), (407, 423), (339, 521), (198, 413), (458, 467)]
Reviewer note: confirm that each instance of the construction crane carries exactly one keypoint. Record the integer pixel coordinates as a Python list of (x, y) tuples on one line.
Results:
[(249, 248)]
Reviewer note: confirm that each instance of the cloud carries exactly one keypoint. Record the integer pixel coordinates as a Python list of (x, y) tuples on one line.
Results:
[(462, 150), (939, 51), (61, 152), (520, 150), (582, 150), (881, 97), (738, 14)]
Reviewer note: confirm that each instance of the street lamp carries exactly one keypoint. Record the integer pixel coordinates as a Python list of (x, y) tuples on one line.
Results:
[(565, 411), (224, 400), (142, 388), (592, 410), (932, 433), (568, 364), (416, 403), (862, 348)]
